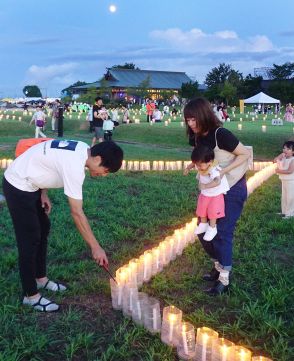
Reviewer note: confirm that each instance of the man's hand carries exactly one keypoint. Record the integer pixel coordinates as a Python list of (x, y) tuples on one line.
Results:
[(45, 201), (99, 256)]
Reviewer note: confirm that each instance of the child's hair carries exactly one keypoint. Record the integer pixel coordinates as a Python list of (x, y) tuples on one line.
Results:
[(202, 154), (289, 144)]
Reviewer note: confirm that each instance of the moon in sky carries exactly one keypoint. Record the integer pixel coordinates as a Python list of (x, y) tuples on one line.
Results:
[(112, 8)]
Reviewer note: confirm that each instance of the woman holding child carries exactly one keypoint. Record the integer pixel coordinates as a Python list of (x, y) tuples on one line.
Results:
[(205, 129)]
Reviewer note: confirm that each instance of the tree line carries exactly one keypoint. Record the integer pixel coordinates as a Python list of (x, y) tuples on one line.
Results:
[(223, 83)]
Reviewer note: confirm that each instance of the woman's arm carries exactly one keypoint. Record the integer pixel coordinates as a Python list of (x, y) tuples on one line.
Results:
[(214, 183), (242, 154)]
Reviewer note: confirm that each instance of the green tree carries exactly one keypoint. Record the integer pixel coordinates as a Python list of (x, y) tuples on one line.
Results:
[(282, 72), (189, 90), (218, 75), (69, 90), (282, 90), (125, 66), (105, 90), (89, 96), (251, 85), (32, 91), (228, 92)]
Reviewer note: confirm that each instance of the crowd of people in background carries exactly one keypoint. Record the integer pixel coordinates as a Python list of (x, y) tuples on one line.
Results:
[(103, 121)]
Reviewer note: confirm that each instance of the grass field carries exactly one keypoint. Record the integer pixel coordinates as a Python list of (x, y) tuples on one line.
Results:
[(130, 212)]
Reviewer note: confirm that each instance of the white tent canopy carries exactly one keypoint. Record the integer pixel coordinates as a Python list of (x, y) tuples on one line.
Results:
[(261, 98)]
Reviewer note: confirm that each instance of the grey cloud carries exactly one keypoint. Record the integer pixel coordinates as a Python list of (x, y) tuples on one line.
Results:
[(288, 33)]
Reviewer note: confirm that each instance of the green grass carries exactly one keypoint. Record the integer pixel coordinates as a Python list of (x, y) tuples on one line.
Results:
[(130, 212)]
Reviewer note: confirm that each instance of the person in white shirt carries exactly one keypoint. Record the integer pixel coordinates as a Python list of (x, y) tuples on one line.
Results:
[(39, 119), (285, 170), (108, 126), (156, 116), (166, 110), (114, 114), (210, 205), (52, 164)]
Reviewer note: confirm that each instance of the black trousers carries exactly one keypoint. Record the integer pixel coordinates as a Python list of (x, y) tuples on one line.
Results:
[(31, 225)]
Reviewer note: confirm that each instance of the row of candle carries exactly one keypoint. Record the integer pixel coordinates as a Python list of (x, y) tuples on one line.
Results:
[(135, 165), (156, 165), (5, 163), (206, 346), (144, 310), (161, 165), (259, 177), (263, 128), (13, 117)]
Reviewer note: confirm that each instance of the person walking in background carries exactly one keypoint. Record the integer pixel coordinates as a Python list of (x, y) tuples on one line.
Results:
[(285, 170), (52, 164), (97, 121), (39, 119), (210, 205), (204, 128)]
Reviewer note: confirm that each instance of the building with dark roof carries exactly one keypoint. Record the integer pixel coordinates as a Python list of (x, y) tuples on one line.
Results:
[(120, 81)]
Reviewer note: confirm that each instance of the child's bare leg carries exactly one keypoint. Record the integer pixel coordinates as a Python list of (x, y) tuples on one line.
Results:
[(212, 223)]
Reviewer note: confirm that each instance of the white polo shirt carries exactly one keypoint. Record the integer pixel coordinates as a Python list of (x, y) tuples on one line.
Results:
[(51, 164)]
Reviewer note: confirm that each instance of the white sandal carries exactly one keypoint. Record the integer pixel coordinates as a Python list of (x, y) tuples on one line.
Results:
[(43, 304), (51, 286)]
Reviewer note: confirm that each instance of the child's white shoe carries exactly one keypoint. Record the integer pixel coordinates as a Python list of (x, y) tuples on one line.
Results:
[(201, 228), (210, 233)]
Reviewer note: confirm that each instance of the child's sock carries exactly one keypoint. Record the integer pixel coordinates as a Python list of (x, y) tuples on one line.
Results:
[(224, 277)]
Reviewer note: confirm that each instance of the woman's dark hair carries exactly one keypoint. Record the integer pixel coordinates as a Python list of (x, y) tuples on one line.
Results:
[(200, 109), (289, 144), (111, 155), (97, 99), (202, 154)]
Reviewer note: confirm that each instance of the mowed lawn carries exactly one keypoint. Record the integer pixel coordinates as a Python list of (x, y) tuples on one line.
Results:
[(129, 213)]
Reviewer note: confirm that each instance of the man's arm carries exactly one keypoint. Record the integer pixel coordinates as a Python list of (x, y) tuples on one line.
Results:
[(82, 224), (45, 201)]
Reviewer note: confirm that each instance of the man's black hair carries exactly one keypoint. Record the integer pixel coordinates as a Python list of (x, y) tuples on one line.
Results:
[(97, 99), (202, 154), (111, 155), (289, 144)]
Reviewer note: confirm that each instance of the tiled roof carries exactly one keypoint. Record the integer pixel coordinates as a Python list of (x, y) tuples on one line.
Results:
[(130, 78)]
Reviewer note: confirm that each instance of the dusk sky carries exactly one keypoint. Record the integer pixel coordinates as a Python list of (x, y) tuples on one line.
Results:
[(55, 43)]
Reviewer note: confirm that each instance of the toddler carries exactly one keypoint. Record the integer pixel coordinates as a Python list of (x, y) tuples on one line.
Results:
[(285, 170), (210, 205)]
